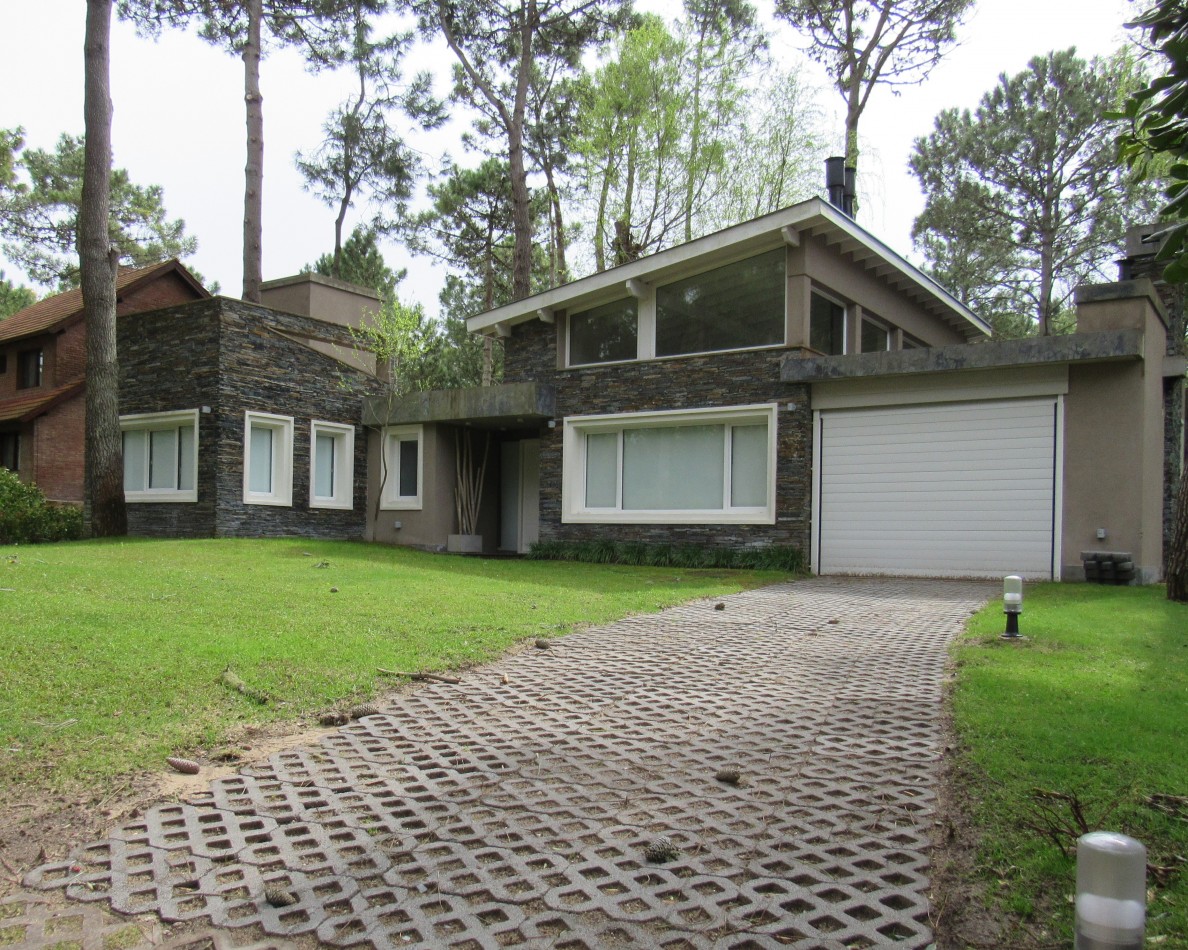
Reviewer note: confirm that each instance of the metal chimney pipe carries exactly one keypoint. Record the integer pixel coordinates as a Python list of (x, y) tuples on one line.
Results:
[(835, 181)]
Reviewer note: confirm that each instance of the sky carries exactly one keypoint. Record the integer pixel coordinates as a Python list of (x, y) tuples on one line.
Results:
[(179, 120)]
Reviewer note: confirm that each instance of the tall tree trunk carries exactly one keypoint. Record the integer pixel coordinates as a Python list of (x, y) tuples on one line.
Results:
[(1177, 556), (561, 272), (521, 207), (253, 195), (103, 457)]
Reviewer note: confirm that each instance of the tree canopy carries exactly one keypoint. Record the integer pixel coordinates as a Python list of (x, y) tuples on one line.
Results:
[(39, 214), (360, 262), (866, 43), (1025, 196)]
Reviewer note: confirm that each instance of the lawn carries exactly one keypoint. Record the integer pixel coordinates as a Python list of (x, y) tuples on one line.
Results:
[(113, 652), (1093, 705)]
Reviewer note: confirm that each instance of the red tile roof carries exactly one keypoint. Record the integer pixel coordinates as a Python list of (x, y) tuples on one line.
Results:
[(50, 314), (31, 404)]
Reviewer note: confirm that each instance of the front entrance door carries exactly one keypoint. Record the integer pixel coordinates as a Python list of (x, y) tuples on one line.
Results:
[(519, 492)]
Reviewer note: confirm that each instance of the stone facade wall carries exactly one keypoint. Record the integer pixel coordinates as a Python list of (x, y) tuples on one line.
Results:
[(233, 357), (169, 361), (261, 370), (694, 382)]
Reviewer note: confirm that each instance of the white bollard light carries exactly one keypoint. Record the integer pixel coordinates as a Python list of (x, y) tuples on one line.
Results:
[(1012, 604), (1111, 892)]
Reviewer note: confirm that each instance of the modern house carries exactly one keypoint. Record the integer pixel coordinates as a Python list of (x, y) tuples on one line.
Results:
[(43, 370), (792, 380)]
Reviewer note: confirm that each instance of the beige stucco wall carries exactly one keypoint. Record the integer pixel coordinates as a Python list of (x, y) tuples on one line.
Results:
[(431, 526), (815, 265), (1113, 444), (322, 298)]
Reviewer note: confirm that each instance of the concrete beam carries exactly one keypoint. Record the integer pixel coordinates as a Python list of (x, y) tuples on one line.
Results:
[(545, 315), (1074, 348), (637, 288), (507, 405)]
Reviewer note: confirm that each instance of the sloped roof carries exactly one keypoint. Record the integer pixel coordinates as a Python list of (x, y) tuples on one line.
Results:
[(811, 217), (25, 407), (54, 312)]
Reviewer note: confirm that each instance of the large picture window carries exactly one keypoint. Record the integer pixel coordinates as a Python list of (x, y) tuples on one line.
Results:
[(331, 465), (734, 307), (707, 466), (267, 459), (605, 334), (160, 456), (404, 462)]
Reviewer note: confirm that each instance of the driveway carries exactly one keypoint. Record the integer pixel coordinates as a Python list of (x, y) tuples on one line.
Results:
[(516, 808)]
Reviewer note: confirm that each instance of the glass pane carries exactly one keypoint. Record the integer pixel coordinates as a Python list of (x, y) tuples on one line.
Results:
[(604, 334), (735, 306), (673, 468), (135, 459), (185, 458), (827, 326), (748, 466), (602, 469), (324, 466), (163, 458), (874, 337), (260, 462), (408, 467)]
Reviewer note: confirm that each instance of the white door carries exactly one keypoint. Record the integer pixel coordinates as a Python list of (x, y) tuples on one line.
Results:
[(529, 494), (960, 489), (519, 490)]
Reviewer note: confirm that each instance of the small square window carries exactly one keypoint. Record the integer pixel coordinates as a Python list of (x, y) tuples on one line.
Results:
[(876, 338), (331, 465), (267, 459), (605, 334), (160, 456), (403, 465), (30, 367)]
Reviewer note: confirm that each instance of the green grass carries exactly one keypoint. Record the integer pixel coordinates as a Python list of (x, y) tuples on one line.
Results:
[(1094, 704), (113, 651)]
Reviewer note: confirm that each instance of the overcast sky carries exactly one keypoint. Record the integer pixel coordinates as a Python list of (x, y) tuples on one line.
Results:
[(179, 120)]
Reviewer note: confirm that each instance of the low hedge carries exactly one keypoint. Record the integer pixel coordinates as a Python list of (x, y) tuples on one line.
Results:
[(641, 554), (27, 518)]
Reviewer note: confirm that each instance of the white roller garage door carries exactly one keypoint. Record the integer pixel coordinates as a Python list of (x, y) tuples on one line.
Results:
[(962, 489)]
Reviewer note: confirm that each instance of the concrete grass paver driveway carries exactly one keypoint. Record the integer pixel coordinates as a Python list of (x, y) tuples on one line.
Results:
[(516, 808)]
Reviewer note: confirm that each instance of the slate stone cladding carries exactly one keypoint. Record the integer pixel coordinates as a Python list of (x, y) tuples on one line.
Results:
[(693, 382), (235, 357)]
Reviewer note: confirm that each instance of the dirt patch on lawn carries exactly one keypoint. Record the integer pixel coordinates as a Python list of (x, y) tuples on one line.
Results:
[(36, 827), (964, 914)]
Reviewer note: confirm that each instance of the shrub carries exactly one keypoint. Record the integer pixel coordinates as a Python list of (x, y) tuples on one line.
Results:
[(27, 518), (773, 557)]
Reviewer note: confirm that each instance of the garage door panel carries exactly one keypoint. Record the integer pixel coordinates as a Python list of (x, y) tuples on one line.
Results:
[(958, 489)]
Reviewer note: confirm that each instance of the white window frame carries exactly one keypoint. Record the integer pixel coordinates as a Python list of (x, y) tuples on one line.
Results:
[(158, 421), (344, 464), (390, 498), (573, 466), (282, 459)]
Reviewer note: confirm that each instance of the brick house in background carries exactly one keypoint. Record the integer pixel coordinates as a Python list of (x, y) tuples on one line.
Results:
[(43, 375)]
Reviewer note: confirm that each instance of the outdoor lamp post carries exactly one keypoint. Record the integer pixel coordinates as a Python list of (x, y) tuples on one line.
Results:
[(1111, 892), (1012, 604)]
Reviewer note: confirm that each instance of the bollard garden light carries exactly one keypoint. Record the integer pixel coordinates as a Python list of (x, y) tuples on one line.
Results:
[(1012, 604), (1111, 892)]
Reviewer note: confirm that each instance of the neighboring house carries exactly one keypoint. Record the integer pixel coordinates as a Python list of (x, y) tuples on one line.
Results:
[(43, 370), (791, 380), (240, 420)]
